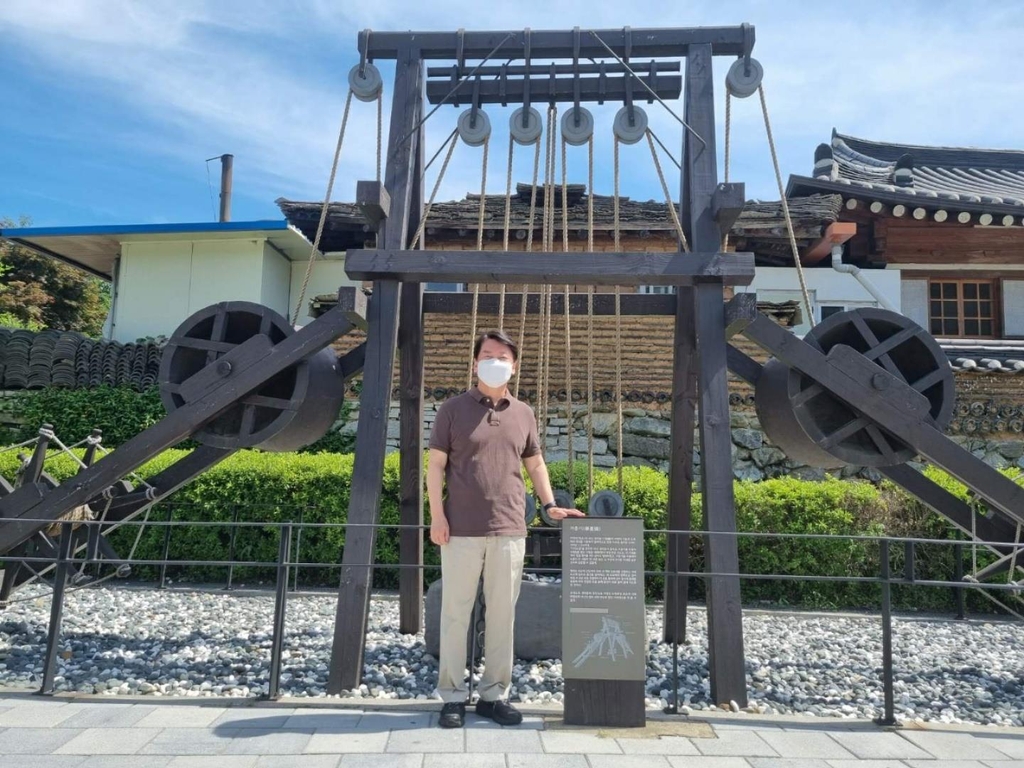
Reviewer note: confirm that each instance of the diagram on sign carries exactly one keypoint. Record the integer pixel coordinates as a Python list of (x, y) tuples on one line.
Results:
[(609, 642)]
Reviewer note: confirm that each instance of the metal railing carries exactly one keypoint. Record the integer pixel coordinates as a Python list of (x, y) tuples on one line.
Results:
[(287, 564)]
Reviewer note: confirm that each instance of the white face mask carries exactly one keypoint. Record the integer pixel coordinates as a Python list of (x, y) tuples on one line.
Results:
[(494, 373)]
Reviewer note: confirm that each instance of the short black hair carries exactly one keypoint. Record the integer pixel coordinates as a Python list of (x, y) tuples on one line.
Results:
[(499, 336)]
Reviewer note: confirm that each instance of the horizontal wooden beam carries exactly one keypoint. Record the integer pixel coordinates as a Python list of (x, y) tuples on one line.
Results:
[(604, 304), (837, 233), (546, 89), (643, 43), (551, 268)]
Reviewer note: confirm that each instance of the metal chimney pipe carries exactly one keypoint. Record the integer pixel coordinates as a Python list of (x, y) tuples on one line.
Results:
[(226, 164)]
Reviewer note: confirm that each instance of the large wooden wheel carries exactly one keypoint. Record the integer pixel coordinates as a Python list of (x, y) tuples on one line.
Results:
[(814, 427), (291, 410)]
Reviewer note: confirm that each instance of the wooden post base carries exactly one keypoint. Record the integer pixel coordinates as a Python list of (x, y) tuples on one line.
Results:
[(612, 703)]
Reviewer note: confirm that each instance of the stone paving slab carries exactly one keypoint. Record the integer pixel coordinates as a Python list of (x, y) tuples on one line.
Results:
[(257, 717), (112, 715), (954, 746), (547, 761), (181, 717), (424, 740), (340, 742), (125, 761), (628, 761), (567, 742), (206, 761), (39, 714), (108, 741), (381, 761), (503, 740), (1012, 747), (40, 761), (666, 745), (35, 741), (804, 744), (881, 745), (271, 741), (707, 762), (188, 741), (464, 760), (733, 743)]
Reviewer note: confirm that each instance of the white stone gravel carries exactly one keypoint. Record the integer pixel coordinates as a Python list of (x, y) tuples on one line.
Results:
[(122, 640)]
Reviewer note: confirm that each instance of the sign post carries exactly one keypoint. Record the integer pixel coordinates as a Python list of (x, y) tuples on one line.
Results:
[(604, 628)]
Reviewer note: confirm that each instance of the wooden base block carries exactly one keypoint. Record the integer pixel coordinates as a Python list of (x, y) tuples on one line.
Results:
[(612, 703)]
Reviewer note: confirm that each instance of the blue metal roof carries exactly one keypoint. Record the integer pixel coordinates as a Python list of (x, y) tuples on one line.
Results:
[(269, 225)]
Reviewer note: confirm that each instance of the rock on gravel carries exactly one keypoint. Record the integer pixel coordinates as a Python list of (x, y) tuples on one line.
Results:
[(123, 640)]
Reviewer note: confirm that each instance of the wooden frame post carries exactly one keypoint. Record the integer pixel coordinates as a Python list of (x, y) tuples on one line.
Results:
[(404, 140), (410, 414), (725, 619)]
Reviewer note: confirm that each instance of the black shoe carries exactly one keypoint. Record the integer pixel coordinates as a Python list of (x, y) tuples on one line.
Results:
[(500, 712), (453, 715)]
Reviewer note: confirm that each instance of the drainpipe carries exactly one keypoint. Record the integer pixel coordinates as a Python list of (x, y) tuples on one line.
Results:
[(860, 277), (227, 163)]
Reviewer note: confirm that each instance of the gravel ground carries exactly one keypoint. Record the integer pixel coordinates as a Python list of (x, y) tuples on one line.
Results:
[(120, 641)]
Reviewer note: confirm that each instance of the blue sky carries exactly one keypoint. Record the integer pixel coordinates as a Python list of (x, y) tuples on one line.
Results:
[(110, 107)]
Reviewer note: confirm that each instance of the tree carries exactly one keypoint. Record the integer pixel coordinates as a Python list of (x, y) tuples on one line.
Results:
[(40, 292)]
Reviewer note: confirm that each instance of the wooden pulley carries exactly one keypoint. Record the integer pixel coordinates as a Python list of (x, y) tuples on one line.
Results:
[(527, 130), (630, 132), (887, 352), (365, 82), (564, 500), (531, 509), (577, 126), (606, 503), (744, 78), (474, 127), (293, 409)]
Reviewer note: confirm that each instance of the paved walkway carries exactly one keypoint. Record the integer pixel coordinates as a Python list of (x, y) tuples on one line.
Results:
[(154, 733)]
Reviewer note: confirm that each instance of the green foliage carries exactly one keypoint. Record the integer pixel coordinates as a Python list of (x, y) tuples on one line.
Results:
[(120, 412), (314, 488), (37, 291)]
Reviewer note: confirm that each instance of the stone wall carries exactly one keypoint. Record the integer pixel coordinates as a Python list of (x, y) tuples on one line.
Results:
[(646, 441)]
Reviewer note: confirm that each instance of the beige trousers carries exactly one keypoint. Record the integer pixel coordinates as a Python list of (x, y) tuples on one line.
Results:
[(463, 559)]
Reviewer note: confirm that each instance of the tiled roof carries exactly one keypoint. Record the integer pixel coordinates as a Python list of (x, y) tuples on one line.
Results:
[(984, 355), (985, 180), (761, 224)]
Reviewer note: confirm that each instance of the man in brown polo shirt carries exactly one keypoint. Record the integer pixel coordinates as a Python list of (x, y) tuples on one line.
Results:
[(480, 442)]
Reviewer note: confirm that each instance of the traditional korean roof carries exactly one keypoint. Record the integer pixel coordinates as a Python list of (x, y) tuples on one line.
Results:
[(959, 179), (761, 226), (984, 355)]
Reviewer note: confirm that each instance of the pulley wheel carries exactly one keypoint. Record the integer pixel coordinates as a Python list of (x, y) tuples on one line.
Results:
[(528, 134), (630, 133), (294, 408), (606, 503), (814, 427), (741, 83), (366, 86), (474, 133), (564, 500), (574, 134), (531, 509)]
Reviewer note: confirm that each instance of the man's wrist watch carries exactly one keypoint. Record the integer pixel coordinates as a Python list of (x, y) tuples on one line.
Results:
[(549, 505)]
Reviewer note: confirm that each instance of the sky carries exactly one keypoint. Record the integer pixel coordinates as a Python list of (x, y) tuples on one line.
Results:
[(112, 107)]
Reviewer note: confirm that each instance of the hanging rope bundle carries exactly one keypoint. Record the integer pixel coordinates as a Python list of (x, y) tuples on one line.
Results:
[(568, 331), (616, 230), (479, 247), (529, 248)]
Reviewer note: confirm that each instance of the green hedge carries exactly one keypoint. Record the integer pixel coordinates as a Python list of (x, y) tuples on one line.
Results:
[(315, 487), (121, 412)]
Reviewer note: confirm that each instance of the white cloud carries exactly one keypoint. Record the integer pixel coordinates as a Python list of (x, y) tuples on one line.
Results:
[(266, 80)]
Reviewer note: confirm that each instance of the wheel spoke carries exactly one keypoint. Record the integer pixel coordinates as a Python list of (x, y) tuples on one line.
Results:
[(872, 342), (882, 442), (248, 421), (263, 401), (206, 344), (929, 380), (220, 327), (807, 394), (849, 428), (884, 347)]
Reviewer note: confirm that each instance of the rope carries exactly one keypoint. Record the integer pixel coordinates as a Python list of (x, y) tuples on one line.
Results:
[(433, 194), (479, 247), (618, 327), (672, 212), (1013, 560), (568, 331), (548, 226), (380, 133), (508, 222), (326, 206), (590, 321), (529, 247), (728, 149), (785, 208)]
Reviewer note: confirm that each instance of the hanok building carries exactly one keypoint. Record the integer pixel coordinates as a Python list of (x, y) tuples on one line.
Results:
[(950, 223)]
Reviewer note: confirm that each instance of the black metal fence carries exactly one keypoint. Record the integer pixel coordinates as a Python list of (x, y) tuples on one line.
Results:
[(289, 560)]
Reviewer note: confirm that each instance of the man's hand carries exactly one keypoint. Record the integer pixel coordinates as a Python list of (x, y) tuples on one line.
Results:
[(439, 533), (560, 513)]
